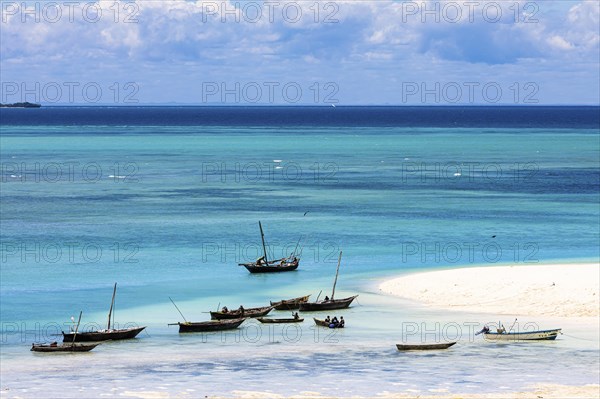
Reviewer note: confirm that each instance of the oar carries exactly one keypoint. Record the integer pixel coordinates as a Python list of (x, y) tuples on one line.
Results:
[(178, 310), (511, 327), (318, 296), (77, 328)]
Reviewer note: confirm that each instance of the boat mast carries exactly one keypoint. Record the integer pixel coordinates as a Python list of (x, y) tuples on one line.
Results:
[(336, 275), (112, 304), (262, 236), (77, 328), (180, 310), (297, 244)]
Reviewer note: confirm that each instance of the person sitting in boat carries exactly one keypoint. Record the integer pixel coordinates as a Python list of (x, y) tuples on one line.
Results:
[(224, 310), (296, 316), (335, 321), (501, 330), (341, 324), (260, 261), (241, 309), (326, 299), (327, 320)]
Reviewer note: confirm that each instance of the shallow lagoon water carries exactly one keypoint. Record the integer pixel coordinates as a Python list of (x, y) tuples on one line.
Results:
[(171, 210)]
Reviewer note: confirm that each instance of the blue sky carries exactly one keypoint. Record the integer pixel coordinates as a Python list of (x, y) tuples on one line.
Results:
[(301, 52)]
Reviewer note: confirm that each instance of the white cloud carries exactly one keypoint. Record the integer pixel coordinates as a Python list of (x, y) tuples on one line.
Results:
[(384, 39)]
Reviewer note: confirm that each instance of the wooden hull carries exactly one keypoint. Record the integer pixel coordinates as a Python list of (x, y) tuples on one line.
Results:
[(96, 336), (207, 326), (329, 305), (271, 267), (290, 320), (290, 304), (423, 347), (63, 348), (250, 312), (323, 323), (544, 335)]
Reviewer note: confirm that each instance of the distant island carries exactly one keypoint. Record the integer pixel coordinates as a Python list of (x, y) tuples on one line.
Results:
[(21, 105)]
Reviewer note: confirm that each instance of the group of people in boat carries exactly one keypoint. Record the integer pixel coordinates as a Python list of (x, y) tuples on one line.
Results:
[(224, 309), (335, 323), (282, 262)]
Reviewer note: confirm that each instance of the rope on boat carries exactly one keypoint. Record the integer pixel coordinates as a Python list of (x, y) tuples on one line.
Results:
[(581, 339)]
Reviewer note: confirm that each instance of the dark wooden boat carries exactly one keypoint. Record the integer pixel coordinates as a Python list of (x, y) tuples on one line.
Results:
[(423, 347), (329, 304), (207, 326), (290, 304), (276, 266), (236, 314), (288, 320), (104, 335), (65, 347), (108, 333), (323, 323), (263, 265), (70, 347)]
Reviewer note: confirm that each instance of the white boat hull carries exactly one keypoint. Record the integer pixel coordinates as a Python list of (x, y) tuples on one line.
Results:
[(523, 336)]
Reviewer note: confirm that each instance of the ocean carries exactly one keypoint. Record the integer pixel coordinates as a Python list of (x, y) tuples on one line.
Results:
[(165, 201)]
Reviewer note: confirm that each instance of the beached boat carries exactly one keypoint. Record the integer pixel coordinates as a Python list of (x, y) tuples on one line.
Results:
[(424, 347), (542, 335), (324, 323), (290, 304), (263, 265), (329, 303), (108, 333), (207, 326), (236, 314), (70, 347), (288, 320)]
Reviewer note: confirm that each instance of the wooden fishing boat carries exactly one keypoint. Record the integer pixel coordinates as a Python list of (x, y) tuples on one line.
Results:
[(104, 335), (264, 265), (236, 314), (108, 333), (424, 347), (290, 304), (288, 320), (54, 347), (274, 266), (329, 303), (70, 347), (323, 323), (207, 326), (542, 335)]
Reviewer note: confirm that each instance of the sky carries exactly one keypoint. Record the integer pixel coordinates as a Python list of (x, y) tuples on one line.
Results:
[(311, 52)]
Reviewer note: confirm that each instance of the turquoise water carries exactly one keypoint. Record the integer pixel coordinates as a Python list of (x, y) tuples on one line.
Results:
[(169, 211)]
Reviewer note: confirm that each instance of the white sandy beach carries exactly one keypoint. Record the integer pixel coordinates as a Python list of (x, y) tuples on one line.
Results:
[(547, 391), (559, 290)]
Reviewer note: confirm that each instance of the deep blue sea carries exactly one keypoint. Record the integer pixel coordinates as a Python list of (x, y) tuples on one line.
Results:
[(166, 202)]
